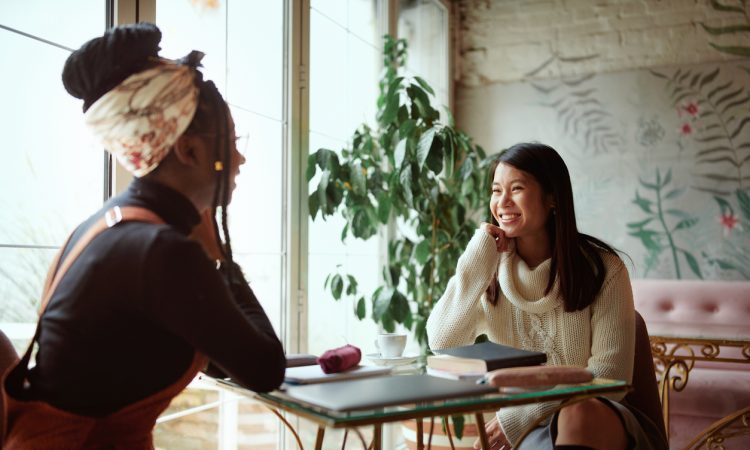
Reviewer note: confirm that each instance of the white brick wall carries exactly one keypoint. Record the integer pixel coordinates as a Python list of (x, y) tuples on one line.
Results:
[(509, 40)]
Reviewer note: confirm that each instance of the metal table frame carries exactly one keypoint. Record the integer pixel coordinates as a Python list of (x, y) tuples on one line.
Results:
[(675, 358)]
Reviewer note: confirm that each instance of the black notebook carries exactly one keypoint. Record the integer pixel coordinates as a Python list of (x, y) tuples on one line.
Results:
[(483, 357), (377, 392)]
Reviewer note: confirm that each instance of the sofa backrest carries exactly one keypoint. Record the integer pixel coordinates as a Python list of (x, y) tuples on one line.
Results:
[(696, 308)]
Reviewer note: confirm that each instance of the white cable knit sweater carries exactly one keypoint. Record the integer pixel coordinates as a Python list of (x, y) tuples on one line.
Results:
[(600, 337)]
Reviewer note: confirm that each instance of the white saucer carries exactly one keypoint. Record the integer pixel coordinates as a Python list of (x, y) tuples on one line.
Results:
[(397, 361)]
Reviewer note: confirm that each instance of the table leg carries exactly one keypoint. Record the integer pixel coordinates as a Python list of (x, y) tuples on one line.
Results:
[(319, 438), (377, 437), (420, 440), (482, 431)]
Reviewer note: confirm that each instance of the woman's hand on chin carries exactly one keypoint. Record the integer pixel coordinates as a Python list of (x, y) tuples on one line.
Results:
[(501, 242)]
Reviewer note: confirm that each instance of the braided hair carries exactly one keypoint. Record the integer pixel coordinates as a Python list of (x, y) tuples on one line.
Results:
[(212, 117)]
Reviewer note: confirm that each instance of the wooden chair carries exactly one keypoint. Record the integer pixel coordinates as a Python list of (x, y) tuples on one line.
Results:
[(645, 394), (8, 357)]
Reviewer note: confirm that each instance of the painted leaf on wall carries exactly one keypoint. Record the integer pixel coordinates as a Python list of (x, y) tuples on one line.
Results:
[(659, 232), (581, 113), (713, 111)]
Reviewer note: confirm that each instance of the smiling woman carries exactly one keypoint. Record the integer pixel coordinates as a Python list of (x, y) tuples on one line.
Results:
[(531, 280)]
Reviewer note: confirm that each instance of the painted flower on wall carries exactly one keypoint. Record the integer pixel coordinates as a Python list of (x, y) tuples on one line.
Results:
[(686, 129), (729, 221), (649, 132), (690, 108)]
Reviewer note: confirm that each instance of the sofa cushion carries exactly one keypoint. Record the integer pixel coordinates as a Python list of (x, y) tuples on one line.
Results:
[(712, 393), (699, 309)]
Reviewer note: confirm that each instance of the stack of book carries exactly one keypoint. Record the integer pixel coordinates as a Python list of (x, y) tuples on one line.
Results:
[(472, 362)]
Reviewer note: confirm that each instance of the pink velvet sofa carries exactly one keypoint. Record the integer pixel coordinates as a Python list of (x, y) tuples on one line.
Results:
[(689, 308)]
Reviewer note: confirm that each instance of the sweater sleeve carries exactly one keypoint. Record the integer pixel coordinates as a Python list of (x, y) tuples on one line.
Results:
[(455, 317), (613, 328), (223, 321), (612, 348)]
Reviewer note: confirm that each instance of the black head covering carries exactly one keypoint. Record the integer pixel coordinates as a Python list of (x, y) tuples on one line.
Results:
[(104, 62)]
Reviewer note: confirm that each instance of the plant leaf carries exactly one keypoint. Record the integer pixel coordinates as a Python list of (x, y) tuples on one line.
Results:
[(313, 205), (667, 178), (400, 153), (406, 129), (692, 262), (390, 111), (724, 30), (422, 251), (732, 50), (678, 213), (405, 178), (744, 201), (310, 172), (337, 285), (399, 307), (382, 302), (361, 310), (651, 186), (715, 4), (359, 179), (435, 158), (351, 288), (644, 203), (424, 85), (458, 425), (674, 193), (384, 207), (467, 168), (424, 146), (686, 223), (648, 237), (640, 224)]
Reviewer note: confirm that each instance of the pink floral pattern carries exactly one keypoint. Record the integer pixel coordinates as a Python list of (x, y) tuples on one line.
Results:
[(139, 120), (729, 222)]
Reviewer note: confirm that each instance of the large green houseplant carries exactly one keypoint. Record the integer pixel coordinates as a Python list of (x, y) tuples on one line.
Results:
[(411, 168)]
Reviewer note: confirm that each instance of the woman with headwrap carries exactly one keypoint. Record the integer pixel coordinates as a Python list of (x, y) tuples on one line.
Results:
[(136, 306)]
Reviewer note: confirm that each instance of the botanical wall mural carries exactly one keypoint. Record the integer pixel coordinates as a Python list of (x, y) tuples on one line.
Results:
[(660, 158)]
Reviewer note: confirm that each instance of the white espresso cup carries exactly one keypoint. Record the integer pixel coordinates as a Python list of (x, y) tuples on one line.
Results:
[(391, 345)]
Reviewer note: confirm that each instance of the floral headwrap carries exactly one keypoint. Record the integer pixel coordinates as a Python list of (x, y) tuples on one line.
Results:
[(140, 119)]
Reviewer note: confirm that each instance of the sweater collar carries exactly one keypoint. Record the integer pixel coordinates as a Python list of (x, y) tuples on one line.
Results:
[(173, 207), (524, 287)]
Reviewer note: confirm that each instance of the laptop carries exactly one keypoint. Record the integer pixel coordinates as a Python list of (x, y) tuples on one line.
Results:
[(377, 392)]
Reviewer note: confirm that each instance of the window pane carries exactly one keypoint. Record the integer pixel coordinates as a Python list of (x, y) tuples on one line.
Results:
[(244, 47), (69, 23), (344, 66), (185, 27), (255, 57), (424, 25), (52, 172)]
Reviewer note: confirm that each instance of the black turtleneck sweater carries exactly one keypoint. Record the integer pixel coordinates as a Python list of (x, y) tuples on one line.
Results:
[(127, 317)]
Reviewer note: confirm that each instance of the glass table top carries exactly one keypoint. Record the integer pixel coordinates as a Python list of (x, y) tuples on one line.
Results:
[(487, 402)]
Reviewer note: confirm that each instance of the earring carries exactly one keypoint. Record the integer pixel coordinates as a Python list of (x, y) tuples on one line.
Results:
[(218, 166)]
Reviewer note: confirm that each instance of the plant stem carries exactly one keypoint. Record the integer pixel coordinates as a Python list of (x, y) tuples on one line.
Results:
[(666, 230), (433, 250)]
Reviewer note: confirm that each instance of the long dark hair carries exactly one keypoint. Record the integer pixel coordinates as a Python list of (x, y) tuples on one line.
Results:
[(576, 259)]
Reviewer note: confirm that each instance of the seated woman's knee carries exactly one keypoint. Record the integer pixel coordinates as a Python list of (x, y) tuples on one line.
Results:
[(583, 414)]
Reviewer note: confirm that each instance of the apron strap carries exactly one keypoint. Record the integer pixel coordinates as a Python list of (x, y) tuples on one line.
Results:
[(18, 375)]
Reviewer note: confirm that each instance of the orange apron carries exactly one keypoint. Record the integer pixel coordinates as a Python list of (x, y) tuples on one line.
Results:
[(33, 424)]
